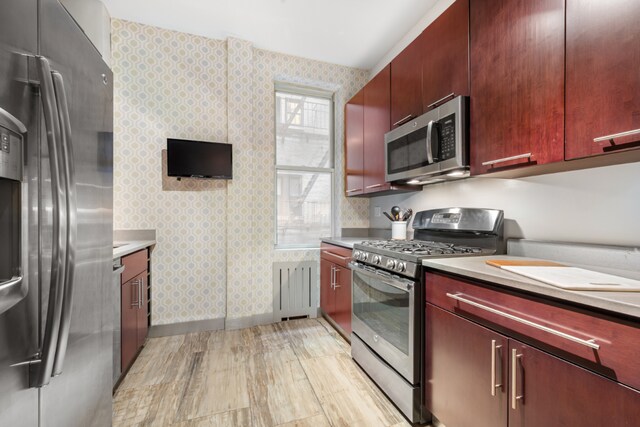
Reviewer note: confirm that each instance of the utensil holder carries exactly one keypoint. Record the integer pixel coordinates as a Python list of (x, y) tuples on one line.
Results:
[(399, 230)]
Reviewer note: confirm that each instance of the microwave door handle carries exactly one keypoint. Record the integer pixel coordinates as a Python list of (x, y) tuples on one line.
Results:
[(430, 142)]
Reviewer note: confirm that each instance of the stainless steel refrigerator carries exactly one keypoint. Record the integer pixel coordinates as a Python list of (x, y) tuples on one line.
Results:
[(56, 197)]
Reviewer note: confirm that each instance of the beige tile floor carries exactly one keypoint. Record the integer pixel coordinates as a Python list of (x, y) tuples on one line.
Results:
[(296, 373)]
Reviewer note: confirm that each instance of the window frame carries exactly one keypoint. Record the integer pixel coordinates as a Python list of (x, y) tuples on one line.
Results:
[(295, 89)]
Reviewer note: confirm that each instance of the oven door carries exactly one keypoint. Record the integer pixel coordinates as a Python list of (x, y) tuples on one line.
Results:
[(385, 317)]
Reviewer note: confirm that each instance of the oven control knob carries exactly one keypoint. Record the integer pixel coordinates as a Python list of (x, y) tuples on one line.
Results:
[(356, 254), (376, 259), (364, 256), (391, 264), (401, 267)]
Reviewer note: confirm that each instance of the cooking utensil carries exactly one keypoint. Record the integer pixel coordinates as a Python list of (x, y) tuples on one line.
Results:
[(395, 213), (407, 215), (387, 215)]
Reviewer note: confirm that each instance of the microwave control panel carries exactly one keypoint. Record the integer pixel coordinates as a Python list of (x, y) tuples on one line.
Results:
[(447, 137)]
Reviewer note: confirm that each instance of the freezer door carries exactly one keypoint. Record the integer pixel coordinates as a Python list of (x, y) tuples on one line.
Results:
[(83, 385), (19, 323)]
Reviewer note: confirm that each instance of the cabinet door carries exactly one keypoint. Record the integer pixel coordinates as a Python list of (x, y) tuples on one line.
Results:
[(142, 312), (550, 391), (129, 325), (327, 294), (343, 298), (603, 82), (445, 62), (517, 83), (406, 84), (458, 371), (354, 145), (377, 121)]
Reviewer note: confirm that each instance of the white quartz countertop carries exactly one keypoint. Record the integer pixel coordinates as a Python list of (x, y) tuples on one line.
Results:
[(621, 303), (126, 247)]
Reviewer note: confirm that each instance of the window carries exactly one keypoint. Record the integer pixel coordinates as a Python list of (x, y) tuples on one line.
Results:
[(304, 165)]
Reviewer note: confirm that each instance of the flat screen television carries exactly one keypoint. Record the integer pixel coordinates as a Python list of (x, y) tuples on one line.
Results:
[(198, 159)]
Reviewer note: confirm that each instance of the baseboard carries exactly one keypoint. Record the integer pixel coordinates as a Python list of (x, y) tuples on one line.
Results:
[(186, 327), (249, 321)]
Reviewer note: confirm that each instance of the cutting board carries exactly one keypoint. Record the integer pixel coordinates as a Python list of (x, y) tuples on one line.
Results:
[(573, 278)]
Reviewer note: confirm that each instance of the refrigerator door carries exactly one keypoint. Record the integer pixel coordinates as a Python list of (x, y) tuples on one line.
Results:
[(19, 323), (82, 388)]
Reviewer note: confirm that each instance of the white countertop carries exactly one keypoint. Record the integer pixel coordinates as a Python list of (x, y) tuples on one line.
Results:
[(347, 242), (122, 248), (624, 303)]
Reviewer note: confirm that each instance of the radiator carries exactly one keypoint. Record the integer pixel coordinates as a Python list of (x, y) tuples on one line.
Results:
[(295, 290)]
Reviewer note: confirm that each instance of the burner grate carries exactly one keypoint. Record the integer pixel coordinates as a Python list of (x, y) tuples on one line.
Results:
[(421, 247)]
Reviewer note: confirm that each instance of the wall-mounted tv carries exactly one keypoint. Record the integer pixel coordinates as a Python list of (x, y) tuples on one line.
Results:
[(198, 159)]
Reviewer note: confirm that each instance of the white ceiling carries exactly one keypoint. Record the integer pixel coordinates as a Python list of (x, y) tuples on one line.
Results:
[(356, 33)]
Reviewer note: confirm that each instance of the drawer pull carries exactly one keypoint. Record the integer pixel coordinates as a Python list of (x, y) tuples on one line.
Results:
[(344, 258), (507, 159), (611, 137), (353, 189), (588, 343), (374, 186)]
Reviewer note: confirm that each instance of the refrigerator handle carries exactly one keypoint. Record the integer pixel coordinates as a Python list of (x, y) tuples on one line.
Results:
[(41, 372), (72, 224)]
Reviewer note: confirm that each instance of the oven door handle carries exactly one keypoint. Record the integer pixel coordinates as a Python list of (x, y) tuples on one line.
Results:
[(401, 284)]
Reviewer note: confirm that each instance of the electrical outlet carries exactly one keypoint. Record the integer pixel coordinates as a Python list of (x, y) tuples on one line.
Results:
[(377, 211)]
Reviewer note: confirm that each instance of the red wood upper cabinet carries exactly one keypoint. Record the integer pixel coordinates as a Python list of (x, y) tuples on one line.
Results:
[(354, 145), (377, 122), (603, 77), (406, 84), (445, 59), (517, 83)]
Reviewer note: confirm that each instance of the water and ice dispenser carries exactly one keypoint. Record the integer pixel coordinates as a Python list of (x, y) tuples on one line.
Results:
[(12, 285)]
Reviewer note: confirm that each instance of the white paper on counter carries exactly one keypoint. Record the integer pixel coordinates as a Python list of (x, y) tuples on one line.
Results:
[(576, 279)]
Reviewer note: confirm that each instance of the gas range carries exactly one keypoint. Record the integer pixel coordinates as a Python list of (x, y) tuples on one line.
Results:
[(438, 233), (388, 296)]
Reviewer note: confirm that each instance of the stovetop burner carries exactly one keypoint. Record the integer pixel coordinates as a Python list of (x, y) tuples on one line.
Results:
[(421, 247)]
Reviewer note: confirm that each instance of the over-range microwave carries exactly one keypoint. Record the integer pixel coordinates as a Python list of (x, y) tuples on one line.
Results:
[(431, 148)]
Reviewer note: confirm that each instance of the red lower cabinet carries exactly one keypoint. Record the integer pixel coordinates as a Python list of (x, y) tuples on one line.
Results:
[(478, 377), (335, 286), (134, 308)]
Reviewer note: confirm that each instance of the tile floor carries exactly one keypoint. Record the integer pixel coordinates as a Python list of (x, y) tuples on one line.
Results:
[(296, 373)]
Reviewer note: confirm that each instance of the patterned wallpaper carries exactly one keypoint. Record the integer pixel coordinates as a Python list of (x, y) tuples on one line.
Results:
[(215, 238)]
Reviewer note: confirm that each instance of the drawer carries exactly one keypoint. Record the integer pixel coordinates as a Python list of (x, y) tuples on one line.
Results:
[(560, 329), (134, 264), (336, 254)]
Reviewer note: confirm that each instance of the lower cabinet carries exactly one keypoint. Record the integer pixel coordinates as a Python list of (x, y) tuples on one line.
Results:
[(134, 306), (335, 286), (476, 377)]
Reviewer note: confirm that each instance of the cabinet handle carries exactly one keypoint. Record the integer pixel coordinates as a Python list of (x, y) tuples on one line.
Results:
[(514, 383), (374, 186), (494, 384), (403, 120), (333, 270), (507, 159), (588, 343), (140, 296), (134, 287), (344, 258), (353, 189), (451, 95), (335, 280), (611, 137)]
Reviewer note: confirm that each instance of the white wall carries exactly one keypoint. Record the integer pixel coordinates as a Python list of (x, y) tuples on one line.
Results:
[(599, 205)]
